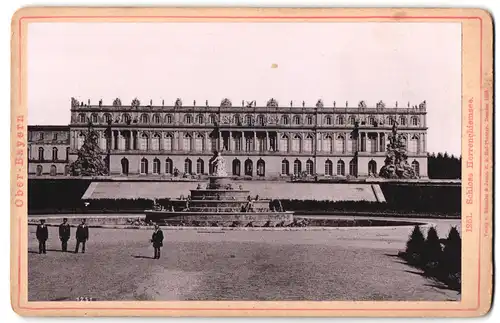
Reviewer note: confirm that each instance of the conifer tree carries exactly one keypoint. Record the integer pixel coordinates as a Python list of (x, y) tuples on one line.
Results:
[(432, 249), (452, 252), (415, 245), (89, 161)]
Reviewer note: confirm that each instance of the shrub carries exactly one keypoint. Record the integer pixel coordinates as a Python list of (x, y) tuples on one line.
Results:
[(452, 252), (415, 246), (432, 249)]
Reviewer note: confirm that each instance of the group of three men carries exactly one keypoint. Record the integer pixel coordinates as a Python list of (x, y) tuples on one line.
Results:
[(82, 235)]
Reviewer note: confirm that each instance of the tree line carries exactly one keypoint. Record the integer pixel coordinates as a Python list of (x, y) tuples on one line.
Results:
[(444, 166)]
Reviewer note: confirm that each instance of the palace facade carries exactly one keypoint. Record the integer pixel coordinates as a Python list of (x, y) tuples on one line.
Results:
[(270, 141)]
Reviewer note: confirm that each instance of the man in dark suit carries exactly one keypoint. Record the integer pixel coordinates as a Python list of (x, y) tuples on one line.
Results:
[(64, 234), (157, 240), (42, 234), (82, 235)]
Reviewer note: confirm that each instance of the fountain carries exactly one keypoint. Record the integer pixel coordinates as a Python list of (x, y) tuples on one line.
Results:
[(219, 203)]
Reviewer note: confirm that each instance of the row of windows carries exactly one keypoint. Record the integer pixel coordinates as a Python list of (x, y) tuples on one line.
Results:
[(260, 169), (52, 170), (294, 144), (248, 119), (55, 153), (42, 136)]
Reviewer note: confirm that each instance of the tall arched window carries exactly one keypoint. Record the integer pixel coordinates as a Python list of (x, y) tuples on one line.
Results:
[(93, 118), (168, 142), (261, 144), (168, 119), (144, 118), (126, 118), (144, 145), (308, 143), (352, 120), (236, 167), (144, 166), (297, 167), (200, 166), (414, 121), (328, 168), (260, 120), (285, 167), (54, 153), (248, 143), (416, 167), (414, 144), (402, 121), (309, 167), (169, 166), (296, 120), (53, 170), (339, 144), (156, 166), (107, 117), (372, 167), (296, 143), (66, 170), (248, 167), (155, 144), (188, 166), (124, 163), (328, 144), (82, 118), (67, 153), (341, 168), (156, 119), (40, 153), (198, 144), (249, 119), (188, 119), (212, 119), (199, 119), (340, 120), (261, 168), (353, 167), (391, 121), (371, 121), (39, 170), (309, 120), (285, 120), (187, 142), (328, 120), (284, 146)]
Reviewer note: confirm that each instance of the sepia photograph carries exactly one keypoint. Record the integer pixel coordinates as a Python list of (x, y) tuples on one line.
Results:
[(246, 161)]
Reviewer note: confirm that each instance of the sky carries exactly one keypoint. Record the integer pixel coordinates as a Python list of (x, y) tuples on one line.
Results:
[(392, 62)]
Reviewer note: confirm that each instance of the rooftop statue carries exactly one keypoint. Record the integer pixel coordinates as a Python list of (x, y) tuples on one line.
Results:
[(219, 166)]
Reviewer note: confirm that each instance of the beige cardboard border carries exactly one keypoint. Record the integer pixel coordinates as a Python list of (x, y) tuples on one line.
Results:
[(477, 139)]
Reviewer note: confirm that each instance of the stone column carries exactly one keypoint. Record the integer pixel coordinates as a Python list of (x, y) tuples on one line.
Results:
[(219, 141), (254, 144), (179, 141), (377, 145), (424, 140), (231, 143), (268, 142), (278, 139)]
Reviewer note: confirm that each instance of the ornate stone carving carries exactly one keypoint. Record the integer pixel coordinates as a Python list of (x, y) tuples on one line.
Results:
[(319, 104), (117, 102), (75, 103), (272, 103), (135, 103), (219, 166), (250, 104), (226, 103), (396, 163), (178, 103), (361, 104), (422, 105), (380, 104)]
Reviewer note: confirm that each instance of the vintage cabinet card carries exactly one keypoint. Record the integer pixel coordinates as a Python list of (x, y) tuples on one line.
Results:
[(251, 162)]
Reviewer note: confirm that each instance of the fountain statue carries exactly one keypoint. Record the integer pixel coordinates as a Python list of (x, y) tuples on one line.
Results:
[(219, 166), (220, 204)]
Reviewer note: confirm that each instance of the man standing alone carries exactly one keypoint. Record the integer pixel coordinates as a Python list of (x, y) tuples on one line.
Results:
[(157, 240), (42, 234), (64, 234), (82, 235)]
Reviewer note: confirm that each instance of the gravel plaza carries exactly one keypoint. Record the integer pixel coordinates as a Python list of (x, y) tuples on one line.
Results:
[(337, 264)]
